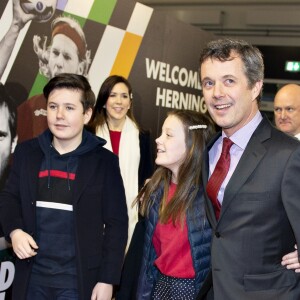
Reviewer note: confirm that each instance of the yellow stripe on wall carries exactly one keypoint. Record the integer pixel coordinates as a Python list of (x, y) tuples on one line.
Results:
[(126, 55)]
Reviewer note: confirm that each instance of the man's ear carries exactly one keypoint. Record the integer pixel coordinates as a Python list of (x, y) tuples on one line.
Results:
[(256, 89), (14, 144)]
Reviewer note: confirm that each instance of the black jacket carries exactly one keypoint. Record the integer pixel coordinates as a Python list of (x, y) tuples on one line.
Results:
[(100, 214)]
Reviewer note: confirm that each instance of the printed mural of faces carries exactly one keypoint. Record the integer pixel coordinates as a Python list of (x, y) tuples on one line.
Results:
[(23, 11), (67, 51), (54, 41), (8, 136)]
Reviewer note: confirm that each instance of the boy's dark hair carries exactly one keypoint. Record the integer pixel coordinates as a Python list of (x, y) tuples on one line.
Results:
[(72, 82), (7, 101)]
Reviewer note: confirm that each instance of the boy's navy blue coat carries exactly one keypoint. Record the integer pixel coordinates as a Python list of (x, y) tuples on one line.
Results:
[(98, 199)]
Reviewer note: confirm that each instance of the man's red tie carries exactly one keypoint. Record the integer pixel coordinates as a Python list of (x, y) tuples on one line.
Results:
[(217, 177)]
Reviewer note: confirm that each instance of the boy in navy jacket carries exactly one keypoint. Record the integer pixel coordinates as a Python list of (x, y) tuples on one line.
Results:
[(63, 207)]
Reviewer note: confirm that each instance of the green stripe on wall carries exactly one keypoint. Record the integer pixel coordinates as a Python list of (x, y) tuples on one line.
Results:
[(102, 10), (79, 19), (39, 83)]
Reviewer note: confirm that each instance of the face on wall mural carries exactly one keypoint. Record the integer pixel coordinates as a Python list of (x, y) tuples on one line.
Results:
[(5, 138), (63, 56)]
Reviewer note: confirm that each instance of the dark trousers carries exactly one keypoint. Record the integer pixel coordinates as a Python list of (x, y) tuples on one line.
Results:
[(38, 292)]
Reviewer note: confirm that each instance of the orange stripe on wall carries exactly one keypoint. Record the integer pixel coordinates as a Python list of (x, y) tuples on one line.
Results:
[(126, 55)]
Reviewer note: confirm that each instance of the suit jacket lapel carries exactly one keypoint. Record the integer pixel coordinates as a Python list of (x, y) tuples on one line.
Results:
[(205, 173), (251, 157)]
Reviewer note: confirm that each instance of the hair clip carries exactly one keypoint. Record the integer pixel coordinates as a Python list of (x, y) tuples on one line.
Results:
[(197, 127)]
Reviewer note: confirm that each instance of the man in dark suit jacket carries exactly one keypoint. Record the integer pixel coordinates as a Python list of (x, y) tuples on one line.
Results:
[(259, 197)]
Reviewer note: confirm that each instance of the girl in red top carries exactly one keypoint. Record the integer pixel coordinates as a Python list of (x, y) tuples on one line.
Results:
[(176, 255)]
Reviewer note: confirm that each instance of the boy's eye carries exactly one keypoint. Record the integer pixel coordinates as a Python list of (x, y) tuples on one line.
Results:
[(229, 81)]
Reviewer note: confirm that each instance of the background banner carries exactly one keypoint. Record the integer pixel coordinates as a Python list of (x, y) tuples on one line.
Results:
[(158, 54)]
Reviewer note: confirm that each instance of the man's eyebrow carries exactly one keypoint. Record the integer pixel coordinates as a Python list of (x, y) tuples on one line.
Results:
[(206, 78)]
